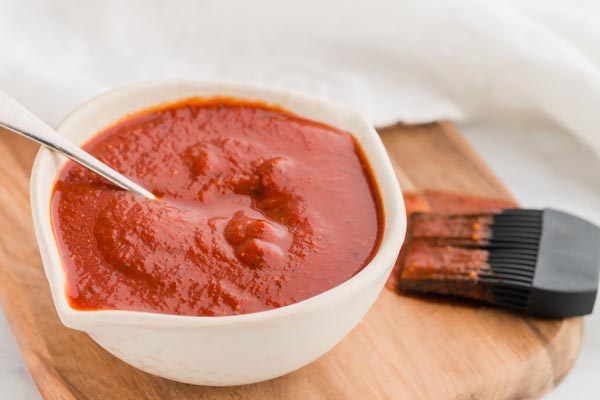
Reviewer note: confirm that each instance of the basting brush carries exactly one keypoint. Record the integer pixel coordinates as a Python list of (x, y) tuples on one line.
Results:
[(543, 263)]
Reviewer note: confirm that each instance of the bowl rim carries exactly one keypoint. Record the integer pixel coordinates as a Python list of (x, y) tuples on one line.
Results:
[(393, 209)]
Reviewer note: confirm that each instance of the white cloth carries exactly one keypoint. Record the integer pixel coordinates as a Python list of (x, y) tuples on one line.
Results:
[(482, 63), (417, 60)]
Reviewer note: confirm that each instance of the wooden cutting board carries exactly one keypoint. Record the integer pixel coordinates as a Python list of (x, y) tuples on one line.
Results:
[(405, 348)]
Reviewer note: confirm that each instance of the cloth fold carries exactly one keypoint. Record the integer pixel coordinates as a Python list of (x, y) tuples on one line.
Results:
[(409, 60)]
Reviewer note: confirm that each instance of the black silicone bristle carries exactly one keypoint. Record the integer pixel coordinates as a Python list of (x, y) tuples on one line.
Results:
[(512, 297), (512, 257), (545, 263)]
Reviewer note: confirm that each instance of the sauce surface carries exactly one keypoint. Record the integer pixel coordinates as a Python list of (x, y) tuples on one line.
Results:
[(258, 209)]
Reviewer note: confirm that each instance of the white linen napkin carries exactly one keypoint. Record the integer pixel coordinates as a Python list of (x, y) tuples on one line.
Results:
[(415, 61)]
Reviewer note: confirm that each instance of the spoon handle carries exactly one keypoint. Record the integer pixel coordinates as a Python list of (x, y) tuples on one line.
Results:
[(16, 118)]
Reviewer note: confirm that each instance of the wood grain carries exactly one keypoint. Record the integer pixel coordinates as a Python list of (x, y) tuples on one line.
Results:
[(406, 348)]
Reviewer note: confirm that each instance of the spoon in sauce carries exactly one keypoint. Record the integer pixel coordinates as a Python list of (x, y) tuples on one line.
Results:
[(16, 118)]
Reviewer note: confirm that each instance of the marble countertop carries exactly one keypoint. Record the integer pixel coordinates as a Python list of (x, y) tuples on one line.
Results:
[(542, 165)]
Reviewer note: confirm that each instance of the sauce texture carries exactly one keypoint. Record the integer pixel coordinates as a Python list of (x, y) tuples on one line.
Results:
[(258, 209)]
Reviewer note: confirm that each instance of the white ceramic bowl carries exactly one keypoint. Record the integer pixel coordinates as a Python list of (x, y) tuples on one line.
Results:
[(228, 350)]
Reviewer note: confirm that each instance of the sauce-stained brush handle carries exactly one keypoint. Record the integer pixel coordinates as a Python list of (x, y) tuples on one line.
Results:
[(544, 263)]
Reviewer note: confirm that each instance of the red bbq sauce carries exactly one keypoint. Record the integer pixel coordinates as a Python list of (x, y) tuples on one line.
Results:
[(258, 209)]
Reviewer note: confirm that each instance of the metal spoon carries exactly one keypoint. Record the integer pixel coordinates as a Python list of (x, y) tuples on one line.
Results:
[(16, 118)]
